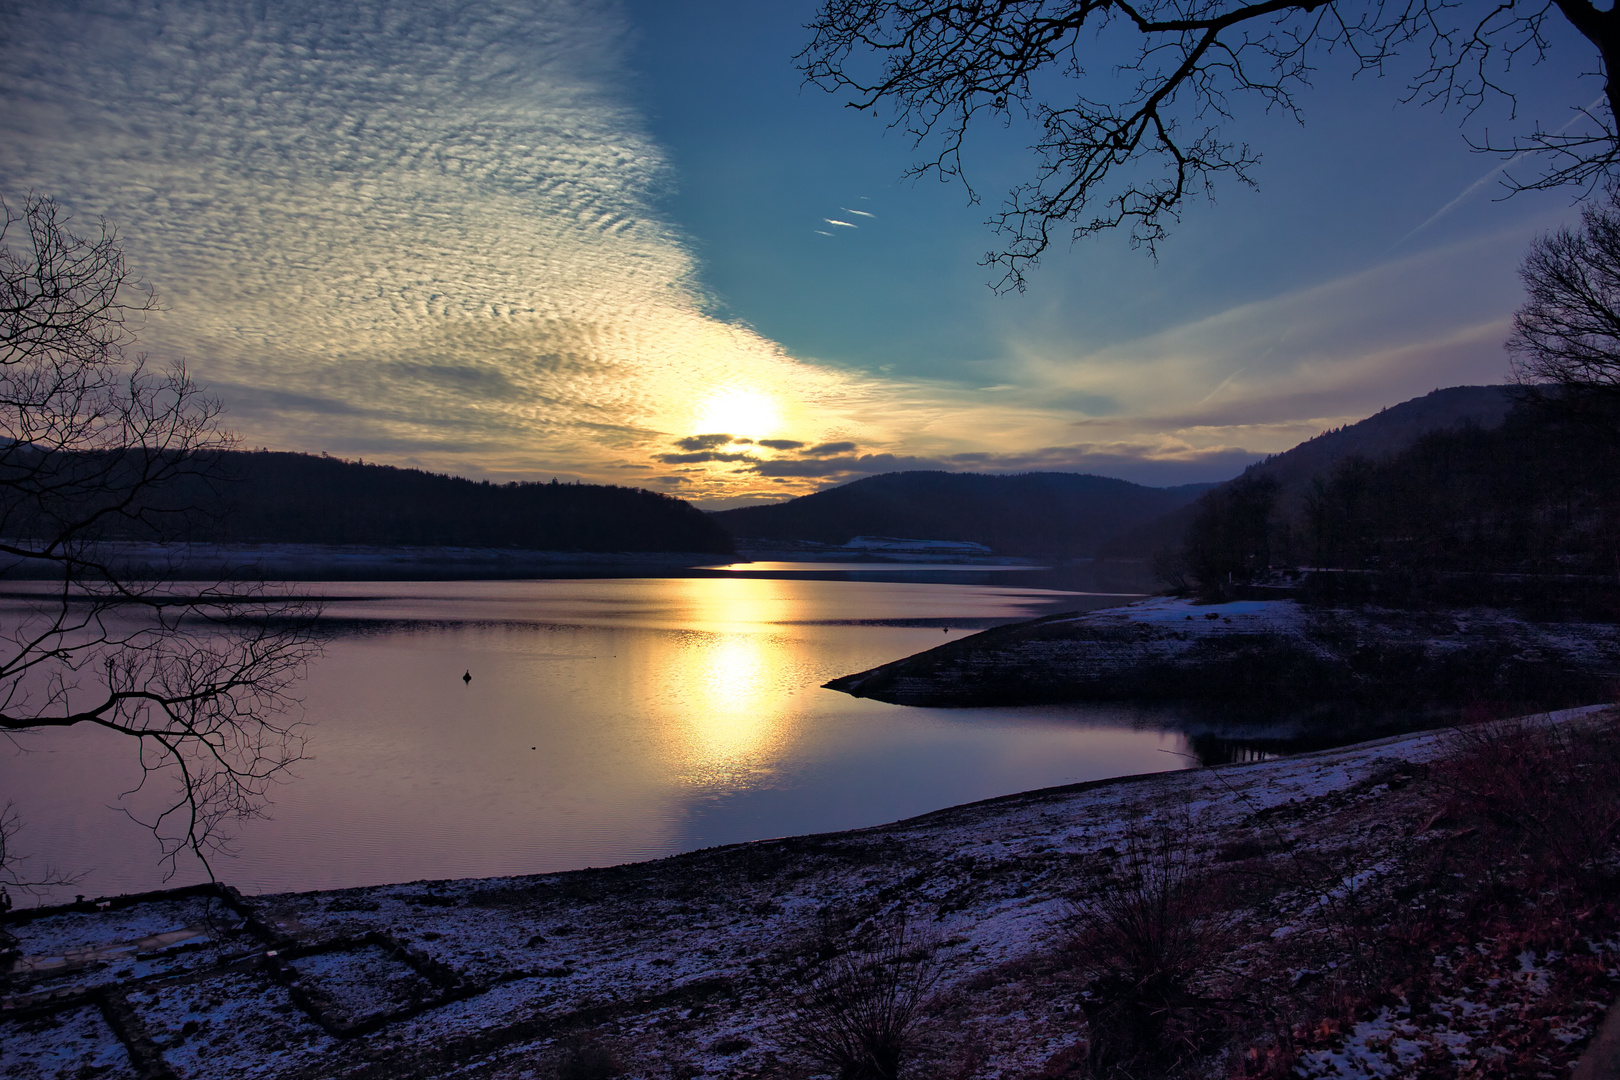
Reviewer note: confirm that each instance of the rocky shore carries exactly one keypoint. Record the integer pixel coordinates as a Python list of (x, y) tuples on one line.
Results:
[(1350, 934), (1260, 652)]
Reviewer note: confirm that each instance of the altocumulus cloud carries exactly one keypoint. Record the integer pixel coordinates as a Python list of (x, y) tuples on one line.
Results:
[(413, 230), (422, 233)]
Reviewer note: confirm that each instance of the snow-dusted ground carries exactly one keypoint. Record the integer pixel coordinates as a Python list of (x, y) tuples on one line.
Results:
[(689, 966)]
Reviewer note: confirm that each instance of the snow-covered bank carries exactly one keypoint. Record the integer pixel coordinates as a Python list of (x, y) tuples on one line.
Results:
[(1259, 650), (689, 966)]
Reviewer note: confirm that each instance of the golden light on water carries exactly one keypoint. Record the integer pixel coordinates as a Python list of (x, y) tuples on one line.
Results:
[(727, 719), (730, 733), (735, 680)]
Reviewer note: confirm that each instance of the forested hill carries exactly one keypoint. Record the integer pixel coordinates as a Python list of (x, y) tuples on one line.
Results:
[(1382, 435), (1025, 514), (1389, 432), (1535, 495), (299, 498)]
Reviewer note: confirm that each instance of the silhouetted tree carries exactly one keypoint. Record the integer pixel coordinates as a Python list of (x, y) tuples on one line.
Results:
[(95, 444), (1566, 337), (1336, 514), (302, 498), (1128, 98), (1230, 538), (1532, 496)]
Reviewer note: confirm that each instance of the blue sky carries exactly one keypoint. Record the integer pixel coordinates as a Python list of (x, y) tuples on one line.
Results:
[(525, 240)]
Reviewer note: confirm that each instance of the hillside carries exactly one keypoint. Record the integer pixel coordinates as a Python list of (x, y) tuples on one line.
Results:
[(281, 498), (1376, 438), (1070, 514), (1525, 511), (1388, 432)]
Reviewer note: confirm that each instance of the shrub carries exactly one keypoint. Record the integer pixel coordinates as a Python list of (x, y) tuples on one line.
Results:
[(1551, 791), (1141, 944), (859, 1010), (587, 1060)]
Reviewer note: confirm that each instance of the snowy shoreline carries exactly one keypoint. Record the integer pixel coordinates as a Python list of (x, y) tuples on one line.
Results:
[(685, 966)]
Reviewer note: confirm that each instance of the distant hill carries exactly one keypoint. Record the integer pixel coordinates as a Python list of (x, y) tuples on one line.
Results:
[(1378, 437), (1045, 514), (271, 497)]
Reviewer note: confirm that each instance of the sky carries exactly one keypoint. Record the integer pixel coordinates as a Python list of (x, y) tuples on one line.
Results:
[(622, 243)]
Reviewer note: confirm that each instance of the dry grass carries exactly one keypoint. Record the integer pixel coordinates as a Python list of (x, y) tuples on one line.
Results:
[(1514, 857), (587, 1059), (1548, 791)]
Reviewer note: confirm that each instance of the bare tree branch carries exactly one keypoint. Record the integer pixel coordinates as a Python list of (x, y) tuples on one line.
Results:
[(1565, 344), (12, 875), (1568, 331), (97, 448), (1128, 98)]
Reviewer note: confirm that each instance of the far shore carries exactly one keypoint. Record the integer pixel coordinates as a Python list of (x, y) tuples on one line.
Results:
[(373, 562), (137, 560)]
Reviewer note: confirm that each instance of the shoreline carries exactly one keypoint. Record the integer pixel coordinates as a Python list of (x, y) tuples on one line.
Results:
[(375, 562), (690, 962), (245, 561)]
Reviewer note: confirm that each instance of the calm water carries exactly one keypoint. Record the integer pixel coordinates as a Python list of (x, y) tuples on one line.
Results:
[(608, 720)]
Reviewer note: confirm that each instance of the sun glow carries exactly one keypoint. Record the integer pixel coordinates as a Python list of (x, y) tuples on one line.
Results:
[(739, 411)]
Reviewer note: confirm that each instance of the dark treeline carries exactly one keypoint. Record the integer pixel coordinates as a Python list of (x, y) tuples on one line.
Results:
[(1537, 495), (269, 497)]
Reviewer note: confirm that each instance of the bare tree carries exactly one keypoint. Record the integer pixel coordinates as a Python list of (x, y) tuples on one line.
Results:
[(96, 448), (1128, 98), (1566, 338)]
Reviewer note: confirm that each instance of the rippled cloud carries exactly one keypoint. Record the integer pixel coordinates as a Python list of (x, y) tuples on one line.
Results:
[(422, 234), (412, 231)]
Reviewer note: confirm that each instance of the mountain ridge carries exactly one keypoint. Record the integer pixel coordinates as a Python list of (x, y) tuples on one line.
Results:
[(279, 497)]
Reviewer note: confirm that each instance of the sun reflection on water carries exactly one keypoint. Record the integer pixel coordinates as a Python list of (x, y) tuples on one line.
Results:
[(607, 721), (724, 711)]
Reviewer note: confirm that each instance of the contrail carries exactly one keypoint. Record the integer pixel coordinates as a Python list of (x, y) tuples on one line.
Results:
[(1224, 384), (1487, 178)]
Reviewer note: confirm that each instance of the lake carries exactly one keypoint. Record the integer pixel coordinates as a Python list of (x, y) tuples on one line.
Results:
[(608, 720)]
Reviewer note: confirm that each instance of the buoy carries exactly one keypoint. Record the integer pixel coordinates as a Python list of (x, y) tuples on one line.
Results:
[(467, 676)]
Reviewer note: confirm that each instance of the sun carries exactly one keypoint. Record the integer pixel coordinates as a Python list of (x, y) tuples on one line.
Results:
[(746, 413)]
